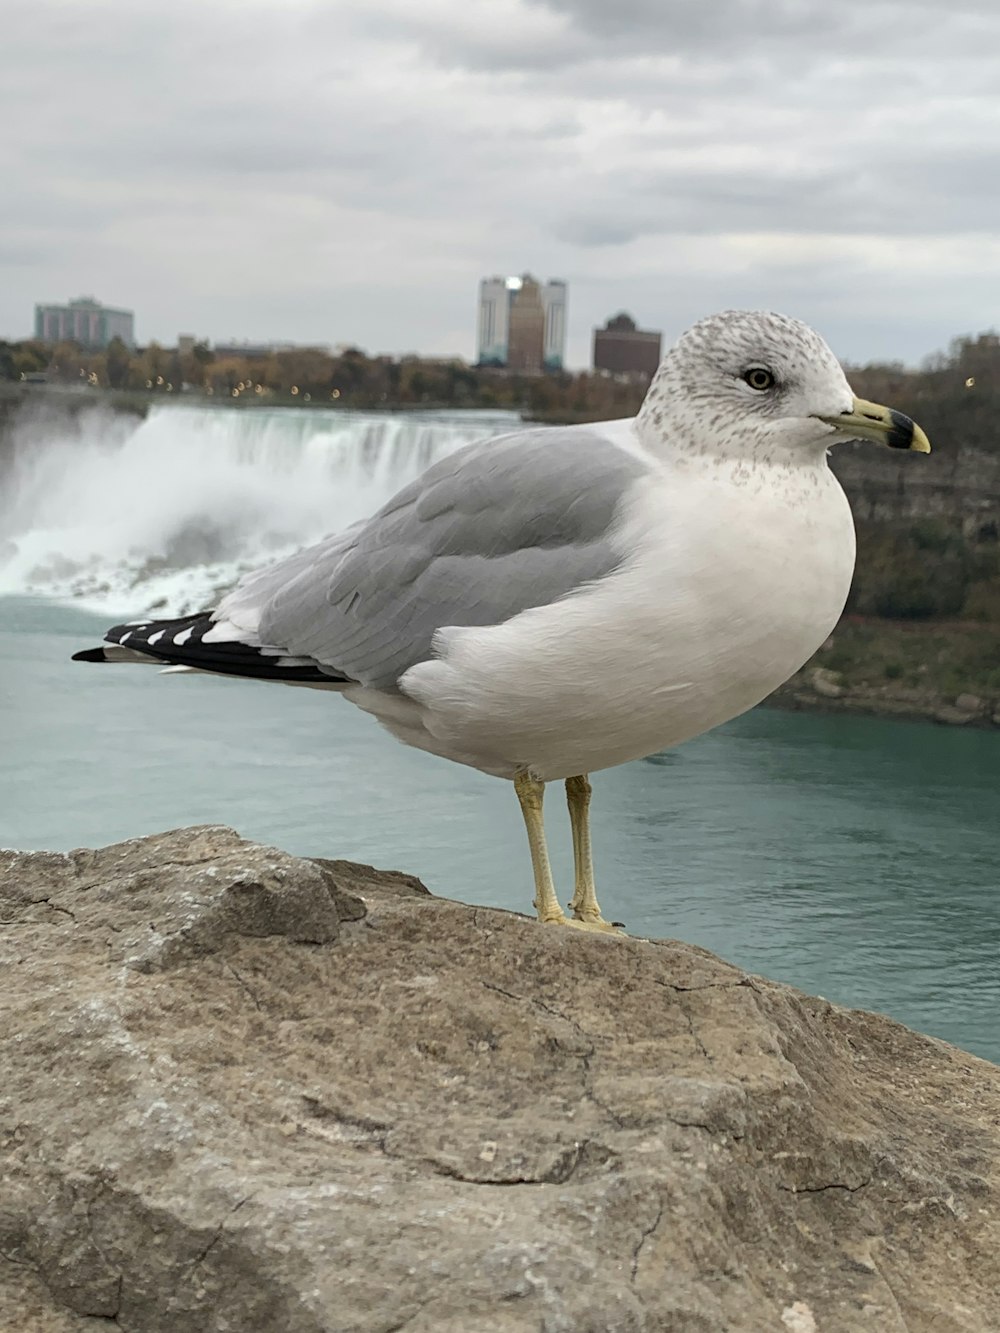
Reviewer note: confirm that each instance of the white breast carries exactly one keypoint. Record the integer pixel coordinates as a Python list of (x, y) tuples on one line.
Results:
[(733, 582)]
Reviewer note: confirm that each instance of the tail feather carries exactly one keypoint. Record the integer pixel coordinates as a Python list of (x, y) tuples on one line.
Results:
[(201, 644)]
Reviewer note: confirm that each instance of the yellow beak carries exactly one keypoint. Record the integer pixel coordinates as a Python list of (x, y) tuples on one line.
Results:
[(871, 421)]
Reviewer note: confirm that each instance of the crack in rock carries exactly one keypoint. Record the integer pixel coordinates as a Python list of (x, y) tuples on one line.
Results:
[(117, 1303), (219, 1230), (693, 1031), (618, 1121), (821, 1189), (535, 1003), (247, 988), (36, 902), (644, 1235), (708, 985)]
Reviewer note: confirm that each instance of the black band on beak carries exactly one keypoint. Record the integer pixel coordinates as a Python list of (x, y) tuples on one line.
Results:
[(901, 435)]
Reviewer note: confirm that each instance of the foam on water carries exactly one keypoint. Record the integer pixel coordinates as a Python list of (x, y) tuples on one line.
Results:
[(136, 515)]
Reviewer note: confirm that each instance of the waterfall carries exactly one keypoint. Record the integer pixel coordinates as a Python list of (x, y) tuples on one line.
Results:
[(160, 513)]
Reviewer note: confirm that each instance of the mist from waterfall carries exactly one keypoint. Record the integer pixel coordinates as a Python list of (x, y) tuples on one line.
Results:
[(131, 514)]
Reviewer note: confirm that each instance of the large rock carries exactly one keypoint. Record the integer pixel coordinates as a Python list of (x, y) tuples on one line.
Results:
[(242, 1091), (826, 683)]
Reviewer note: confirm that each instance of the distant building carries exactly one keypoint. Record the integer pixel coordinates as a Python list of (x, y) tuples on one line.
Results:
[(622, 349), (554, 303), (86, 322), (526, 340), (522, 325), (494, 313), (249, 351)]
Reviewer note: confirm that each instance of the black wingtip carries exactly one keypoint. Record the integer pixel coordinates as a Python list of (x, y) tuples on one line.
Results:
[(89, 655)]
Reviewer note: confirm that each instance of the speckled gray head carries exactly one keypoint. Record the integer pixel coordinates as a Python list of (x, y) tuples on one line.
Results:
[(759, 384)]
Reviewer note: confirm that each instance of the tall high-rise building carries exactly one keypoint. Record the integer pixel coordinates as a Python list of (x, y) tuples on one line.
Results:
[(554, 302), (494, 319), (622, 349), (526, 341), (522, 325), (84, 321)]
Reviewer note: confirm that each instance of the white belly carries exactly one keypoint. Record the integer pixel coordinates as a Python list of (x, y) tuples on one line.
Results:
[(700, 625)]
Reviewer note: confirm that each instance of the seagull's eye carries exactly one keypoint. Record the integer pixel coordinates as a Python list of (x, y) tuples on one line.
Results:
[(759, 378)]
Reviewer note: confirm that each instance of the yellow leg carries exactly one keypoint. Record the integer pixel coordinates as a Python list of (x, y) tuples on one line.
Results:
[(529, 793), (584, 905), (584, 902)]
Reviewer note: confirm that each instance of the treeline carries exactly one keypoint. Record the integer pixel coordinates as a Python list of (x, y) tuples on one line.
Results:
[(307, 375), (959, 388), (955, 395)]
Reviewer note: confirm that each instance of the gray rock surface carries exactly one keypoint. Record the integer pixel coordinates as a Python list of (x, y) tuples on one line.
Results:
[(953, 716), (241, 1091), (969, 703), (958, 480)]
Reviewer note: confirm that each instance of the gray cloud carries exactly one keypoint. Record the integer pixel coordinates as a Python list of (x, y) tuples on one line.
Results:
[(315, 170)]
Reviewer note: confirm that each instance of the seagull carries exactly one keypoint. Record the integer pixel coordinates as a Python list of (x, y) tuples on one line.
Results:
[(559, 600)]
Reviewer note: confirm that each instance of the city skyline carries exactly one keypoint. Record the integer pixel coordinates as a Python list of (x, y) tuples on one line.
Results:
[(122, 324), (309, 172), (92, 326)]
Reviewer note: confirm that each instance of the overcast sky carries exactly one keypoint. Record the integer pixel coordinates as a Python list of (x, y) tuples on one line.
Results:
[(328, 171)]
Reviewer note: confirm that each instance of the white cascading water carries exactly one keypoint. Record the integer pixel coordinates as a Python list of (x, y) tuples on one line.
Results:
[(159, 514)]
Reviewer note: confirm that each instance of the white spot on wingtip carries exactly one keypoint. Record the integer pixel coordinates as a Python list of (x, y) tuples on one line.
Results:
[(182, 638), (155, 638)]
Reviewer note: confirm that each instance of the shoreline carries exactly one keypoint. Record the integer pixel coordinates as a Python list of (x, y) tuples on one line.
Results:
[(947, 673), (801, 698)]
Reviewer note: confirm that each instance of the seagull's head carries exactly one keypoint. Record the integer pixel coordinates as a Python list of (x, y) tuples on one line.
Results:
[(754, 384)]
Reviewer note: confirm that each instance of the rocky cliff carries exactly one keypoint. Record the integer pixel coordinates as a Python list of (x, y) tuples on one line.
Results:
[(243, 1091), (958, 482)]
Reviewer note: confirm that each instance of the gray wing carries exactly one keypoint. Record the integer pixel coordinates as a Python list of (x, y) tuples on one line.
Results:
[(495, 528)]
